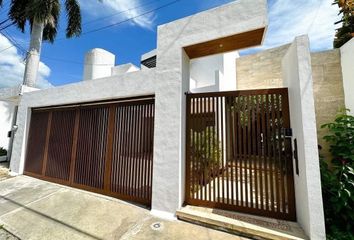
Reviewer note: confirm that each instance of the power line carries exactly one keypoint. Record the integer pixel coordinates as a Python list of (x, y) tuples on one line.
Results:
[(126, 20), (3, 50), (120, 12), (24, 52), (316, 15), (7, 26), (132, 18), (74, 62), (99, 29), (1, 23), (14, 44)]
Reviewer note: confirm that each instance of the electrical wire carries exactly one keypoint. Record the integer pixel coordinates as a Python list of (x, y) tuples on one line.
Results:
[(132, 18), (120, 12), (91, 31)]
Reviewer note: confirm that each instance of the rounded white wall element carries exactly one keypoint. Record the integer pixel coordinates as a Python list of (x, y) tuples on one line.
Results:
[(98, 64), (6, 115)]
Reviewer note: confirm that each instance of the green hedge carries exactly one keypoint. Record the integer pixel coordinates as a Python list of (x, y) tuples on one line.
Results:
[(338, 178)]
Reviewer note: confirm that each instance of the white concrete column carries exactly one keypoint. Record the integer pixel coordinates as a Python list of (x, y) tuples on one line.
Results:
[(229, 80), (297, 76), (20, 139), (347, 63), (173, 76)]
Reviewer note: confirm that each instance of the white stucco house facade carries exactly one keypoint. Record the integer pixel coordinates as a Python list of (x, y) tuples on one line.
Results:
[(196, 54)]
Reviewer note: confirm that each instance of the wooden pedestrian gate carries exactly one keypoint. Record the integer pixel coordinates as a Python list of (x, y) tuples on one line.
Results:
[(101, 147), (238, 154)]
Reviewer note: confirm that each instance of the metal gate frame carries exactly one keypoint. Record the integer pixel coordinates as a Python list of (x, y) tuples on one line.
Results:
[(273, 171), (125, 159)]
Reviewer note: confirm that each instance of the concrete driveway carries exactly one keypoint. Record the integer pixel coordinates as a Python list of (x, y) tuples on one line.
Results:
[(35, 209)]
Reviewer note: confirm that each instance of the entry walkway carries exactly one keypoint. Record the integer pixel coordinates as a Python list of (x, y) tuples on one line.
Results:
[(35, 209)]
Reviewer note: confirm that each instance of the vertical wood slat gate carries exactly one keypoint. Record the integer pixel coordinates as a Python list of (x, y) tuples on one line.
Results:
[(104, 148), (238, 156)]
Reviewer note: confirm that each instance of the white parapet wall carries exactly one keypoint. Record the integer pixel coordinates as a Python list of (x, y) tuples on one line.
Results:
[(297, 76), (347, 62)]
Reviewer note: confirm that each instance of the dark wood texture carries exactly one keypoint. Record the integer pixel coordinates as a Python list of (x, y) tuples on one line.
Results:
[(237, 155), (226, 44), (37, 137), (105, 148), (60, 144)]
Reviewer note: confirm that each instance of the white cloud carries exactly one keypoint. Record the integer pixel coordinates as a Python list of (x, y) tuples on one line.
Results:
[(289, 18), (108, 7), (12, 67)]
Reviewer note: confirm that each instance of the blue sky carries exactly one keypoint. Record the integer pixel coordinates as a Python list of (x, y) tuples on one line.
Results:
[(128, 41)]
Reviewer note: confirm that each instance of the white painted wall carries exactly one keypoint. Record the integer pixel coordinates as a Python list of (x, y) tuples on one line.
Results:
[(98, 64), (169, 155), (6, 116), (202, 70), (124, 68), (347, 62), (297, 76), (229, 71), (213, 73)]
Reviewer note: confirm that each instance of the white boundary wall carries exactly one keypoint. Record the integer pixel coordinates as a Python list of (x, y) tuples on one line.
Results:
[(297, 76), (347, 62), (170, 80), (6, 115)]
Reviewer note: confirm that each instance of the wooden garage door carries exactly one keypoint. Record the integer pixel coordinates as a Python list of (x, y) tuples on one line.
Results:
[(105, 148)]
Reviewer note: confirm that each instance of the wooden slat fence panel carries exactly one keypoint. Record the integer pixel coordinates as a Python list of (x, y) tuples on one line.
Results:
[(91, 147), (36, 142), (133, 150), (104, 148), (237, 155), (60, 144)]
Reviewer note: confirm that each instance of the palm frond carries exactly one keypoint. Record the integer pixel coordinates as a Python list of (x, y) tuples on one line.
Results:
[(39, 10), (51, 26), (74, 18), (17, 13)]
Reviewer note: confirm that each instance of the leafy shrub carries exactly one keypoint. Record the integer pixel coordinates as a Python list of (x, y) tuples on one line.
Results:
[(3, 151), (207, 151), (338, 178)]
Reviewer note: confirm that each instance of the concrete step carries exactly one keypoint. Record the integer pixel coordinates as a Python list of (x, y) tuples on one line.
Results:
[(242, 224)]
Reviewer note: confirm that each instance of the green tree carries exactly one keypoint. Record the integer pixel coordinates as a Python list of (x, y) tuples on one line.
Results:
[(346, 31), (43, 17)]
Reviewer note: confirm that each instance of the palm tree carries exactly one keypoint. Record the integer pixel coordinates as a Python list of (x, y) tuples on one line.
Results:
[(43, 17), (346, 31)]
